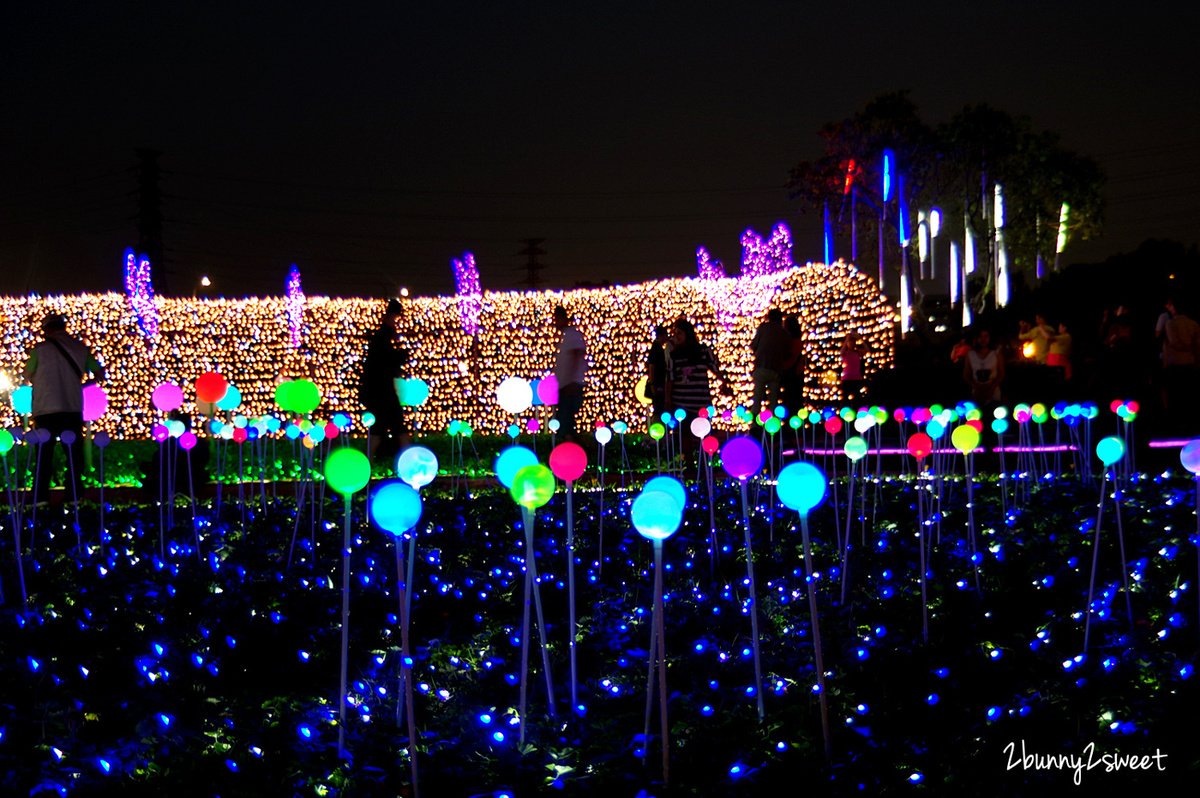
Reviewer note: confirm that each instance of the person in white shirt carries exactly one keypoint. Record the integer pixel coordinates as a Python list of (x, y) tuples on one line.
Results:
[(56, 369), (570, 367)]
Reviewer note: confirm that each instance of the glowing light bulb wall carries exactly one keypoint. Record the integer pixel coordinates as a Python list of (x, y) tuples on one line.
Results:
[(249, 342)]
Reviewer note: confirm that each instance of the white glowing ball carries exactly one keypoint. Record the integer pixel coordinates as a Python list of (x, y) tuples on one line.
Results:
[(515, 395), (700, 427), (603, 435)]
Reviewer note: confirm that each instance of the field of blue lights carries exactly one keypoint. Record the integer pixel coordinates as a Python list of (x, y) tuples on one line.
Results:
[(144, 652)]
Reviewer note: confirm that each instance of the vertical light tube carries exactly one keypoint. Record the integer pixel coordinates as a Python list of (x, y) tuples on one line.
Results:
[(955, 277)]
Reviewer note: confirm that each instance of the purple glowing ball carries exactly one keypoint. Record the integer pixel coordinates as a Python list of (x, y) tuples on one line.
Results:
[(741, 457), (1189, 455)]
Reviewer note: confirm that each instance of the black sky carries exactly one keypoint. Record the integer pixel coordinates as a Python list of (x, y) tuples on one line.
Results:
[(371, 142)]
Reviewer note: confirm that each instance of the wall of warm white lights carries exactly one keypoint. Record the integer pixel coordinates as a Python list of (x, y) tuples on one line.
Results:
[(247, 341)]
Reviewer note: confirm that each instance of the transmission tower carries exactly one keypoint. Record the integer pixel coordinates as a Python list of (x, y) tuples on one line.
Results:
[(149, 216), (532, 267)]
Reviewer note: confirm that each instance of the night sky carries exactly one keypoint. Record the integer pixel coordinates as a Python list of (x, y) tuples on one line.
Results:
[(371, 142)]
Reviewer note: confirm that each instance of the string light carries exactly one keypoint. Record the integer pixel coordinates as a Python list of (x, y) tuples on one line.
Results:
[(295, 306), (247, 341), (141, 292)]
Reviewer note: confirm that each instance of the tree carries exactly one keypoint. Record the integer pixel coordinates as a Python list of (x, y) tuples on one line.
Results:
[(953, 167)]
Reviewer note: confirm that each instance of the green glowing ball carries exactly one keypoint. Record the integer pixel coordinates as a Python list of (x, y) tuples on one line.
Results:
[(855, 448), (304, 396), (533, 486), (283, 395), (772, 425), (657, 430), (6, 441), (347, 470)]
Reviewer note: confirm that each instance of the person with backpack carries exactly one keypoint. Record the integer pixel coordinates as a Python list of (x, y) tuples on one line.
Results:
[(55, 369)]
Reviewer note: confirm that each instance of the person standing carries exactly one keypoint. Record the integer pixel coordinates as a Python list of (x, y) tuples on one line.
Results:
[(1181, 352), (983, 370), (1038, 336), (656, 371), (691, 361), (570, 368), (791, 381), (381, 367), (56, 369), (853, 383), (770, 346)]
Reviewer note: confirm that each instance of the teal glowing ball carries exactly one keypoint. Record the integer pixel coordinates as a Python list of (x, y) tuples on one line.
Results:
[(394, 507), (801, 487), (347, 470), (231, 399), (655, 515), (417, 466), (412, 392), (1110, 450), (512, 460), (22, 400), (668, 485)]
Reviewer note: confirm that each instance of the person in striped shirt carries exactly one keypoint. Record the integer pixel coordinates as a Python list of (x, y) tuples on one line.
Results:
[(687, 376)]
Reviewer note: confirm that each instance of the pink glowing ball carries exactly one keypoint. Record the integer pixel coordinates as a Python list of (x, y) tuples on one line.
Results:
[(764, 415), (977, 424), (833, 425), (95, 402), (741, 457), (1115, 405), (188, 441), (1021, 416), (239, 434), (703, 412), (710, 445), (160, 432), (331, 430), (899, 414), (921, 415), (568, 461), (532, 426), (547, 390), (167, 397), (920, 445)]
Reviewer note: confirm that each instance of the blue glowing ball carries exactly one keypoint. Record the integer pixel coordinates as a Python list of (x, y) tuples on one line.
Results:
[(656, 515), (1189, 455), (394, 507), (801, 487), (512, 460), (417, 466), (670, 486)]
